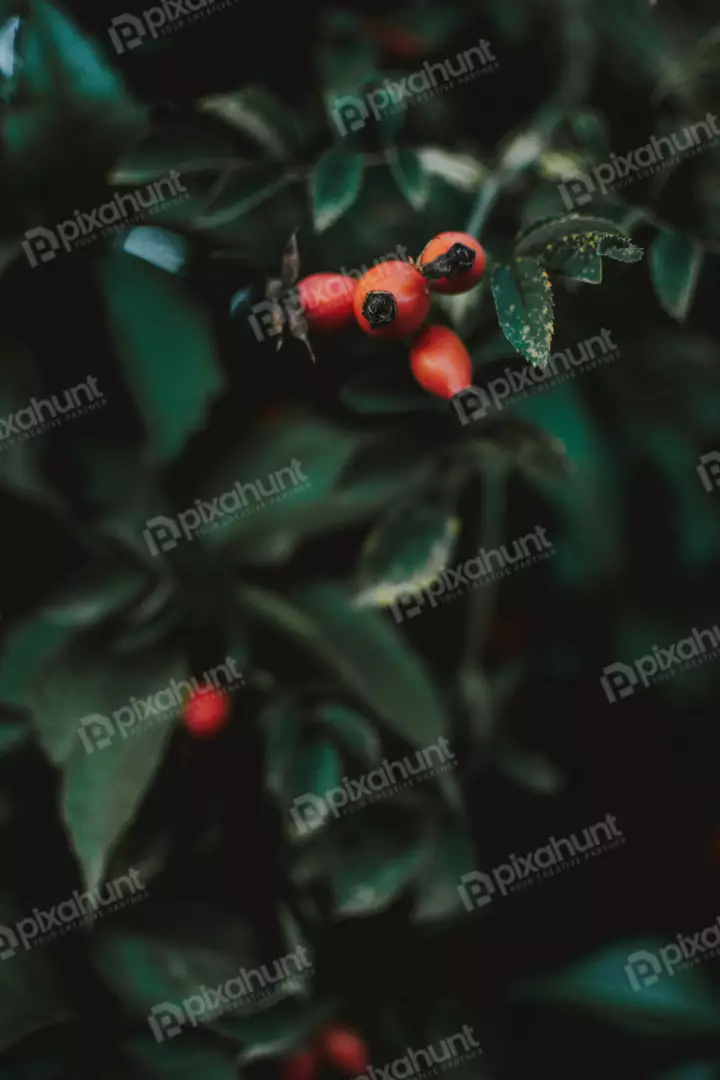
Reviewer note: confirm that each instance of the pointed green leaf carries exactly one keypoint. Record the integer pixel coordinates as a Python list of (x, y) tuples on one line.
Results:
[(407, 550), (364, 650), (410, 176), (675, 261), (166, 344), (438, 895), (353, 730), (524, 302), (32, 996), (196, 1054), (376, 867), (628, 985), (334, 186), (83, 708)]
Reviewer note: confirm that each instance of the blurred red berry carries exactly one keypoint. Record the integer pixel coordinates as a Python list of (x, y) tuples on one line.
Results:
[(453, 262), (344, 1049), (302, 1066), (206, 712), (327, 301), (440, 362)]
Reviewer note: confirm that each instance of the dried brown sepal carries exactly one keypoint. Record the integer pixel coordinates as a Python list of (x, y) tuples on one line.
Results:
[(290, 269), (298, 326)]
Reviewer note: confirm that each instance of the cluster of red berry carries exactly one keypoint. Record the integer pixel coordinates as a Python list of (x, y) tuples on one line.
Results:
[(392, 300), (336, 1045)]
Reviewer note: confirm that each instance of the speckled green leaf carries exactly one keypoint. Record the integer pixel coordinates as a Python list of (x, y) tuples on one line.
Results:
[(524, 302)]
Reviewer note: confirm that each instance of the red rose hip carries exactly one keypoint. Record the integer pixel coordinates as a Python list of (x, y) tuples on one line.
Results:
[(453, 262), (440, 362), (327, 301), (391, 300)]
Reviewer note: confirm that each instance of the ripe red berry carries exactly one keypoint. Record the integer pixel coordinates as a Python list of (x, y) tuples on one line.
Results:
[(453, 262), (327, 301), (301, 1066), (440, 362), (391, 300), (206, 712), (344, 1049)]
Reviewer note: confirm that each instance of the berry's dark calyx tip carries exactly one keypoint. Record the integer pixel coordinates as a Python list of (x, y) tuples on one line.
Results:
[(458, 258), (463, 256), (380, 309)]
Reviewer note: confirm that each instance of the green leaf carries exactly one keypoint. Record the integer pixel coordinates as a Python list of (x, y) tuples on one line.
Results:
[(259, 115), (675, 261), (13, 733), (238, 192), (82, 707), (621, 249), (376, 867), (166, 344), (524, 302), (168, 956), (20, 461), (196, 1054), (365, 651), (407, 550), (438, 896), (188, 149), (575, 243), (534, 239), (284, 504), (600, 985), (354, 730), (530, 770), (282, 723), (316, 770), (410, 176), (581, 265), (32, 996), (287, 1026), (75, 108), (334, 186)]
